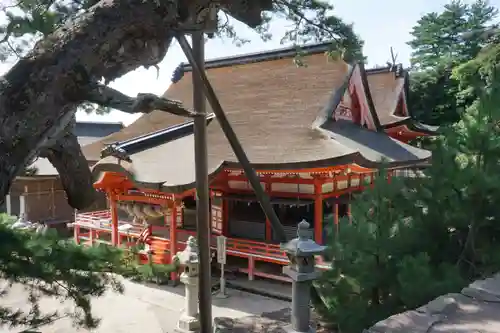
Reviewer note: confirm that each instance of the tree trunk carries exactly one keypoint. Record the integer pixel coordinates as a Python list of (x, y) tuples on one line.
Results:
[(65, 154), (39, 94)]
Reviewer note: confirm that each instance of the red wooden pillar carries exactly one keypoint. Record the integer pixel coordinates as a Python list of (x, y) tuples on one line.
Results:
[(335, 208), (318, 212), (173, 237), (114, 221), (268, 223)]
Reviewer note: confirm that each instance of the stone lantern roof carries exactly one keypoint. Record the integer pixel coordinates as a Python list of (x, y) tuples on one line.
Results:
[(303, 245)]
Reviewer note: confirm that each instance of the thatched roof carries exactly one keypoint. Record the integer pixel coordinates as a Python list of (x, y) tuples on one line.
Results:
[(273, 106), (388, 87), (271, 77)]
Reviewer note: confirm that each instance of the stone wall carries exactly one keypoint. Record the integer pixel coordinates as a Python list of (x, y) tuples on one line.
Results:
[(476, 309)]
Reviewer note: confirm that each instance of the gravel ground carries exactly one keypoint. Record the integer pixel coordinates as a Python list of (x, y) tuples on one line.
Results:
[(144, 308)]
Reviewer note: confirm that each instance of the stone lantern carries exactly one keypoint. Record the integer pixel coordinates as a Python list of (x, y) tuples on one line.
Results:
[(188, 259), (302, 271)]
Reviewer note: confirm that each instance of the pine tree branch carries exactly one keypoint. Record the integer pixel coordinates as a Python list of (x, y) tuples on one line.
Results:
[(46, 266), (143, 103)]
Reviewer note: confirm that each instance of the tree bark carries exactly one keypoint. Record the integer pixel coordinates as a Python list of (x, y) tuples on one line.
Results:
[(39, 94), (65, 154)]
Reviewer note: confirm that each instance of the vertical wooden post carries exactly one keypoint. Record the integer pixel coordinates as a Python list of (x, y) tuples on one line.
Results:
[(318, 212), (269, 230), (201, 86), (173, 237), (114, 221)]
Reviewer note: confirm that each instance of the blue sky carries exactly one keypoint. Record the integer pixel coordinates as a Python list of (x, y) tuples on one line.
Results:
[(381, 24)]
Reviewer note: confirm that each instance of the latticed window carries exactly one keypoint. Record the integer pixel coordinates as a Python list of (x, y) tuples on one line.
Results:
[(408, 173)]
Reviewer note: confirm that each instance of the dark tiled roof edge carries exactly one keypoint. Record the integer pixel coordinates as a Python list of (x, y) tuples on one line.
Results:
[(96, 129), (146, 141), (415, 126), (99, 123)]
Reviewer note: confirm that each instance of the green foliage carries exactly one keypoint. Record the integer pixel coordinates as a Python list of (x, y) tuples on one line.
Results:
[(452, 35), (7, 219), (155, 273), (433, 96), (440, 42), (47, 266), (132, 269), (381, 266), (415, 239)]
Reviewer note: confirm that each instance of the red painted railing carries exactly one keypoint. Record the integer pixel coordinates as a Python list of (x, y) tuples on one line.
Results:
[(249, 249), (235, 246), (101, 218)]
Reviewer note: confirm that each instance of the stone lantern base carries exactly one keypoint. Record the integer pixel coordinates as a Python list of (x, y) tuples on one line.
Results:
[(187, 324), (289, 329)]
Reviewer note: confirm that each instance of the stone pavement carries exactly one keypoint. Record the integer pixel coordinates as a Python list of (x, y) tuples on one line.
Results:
[(476, 309), (148, 309)]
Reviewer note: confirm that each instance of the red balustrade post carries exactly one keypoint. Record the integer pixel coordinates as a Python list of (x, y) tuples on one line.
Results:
[(318, 212), (269, 230), (114, 221)]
